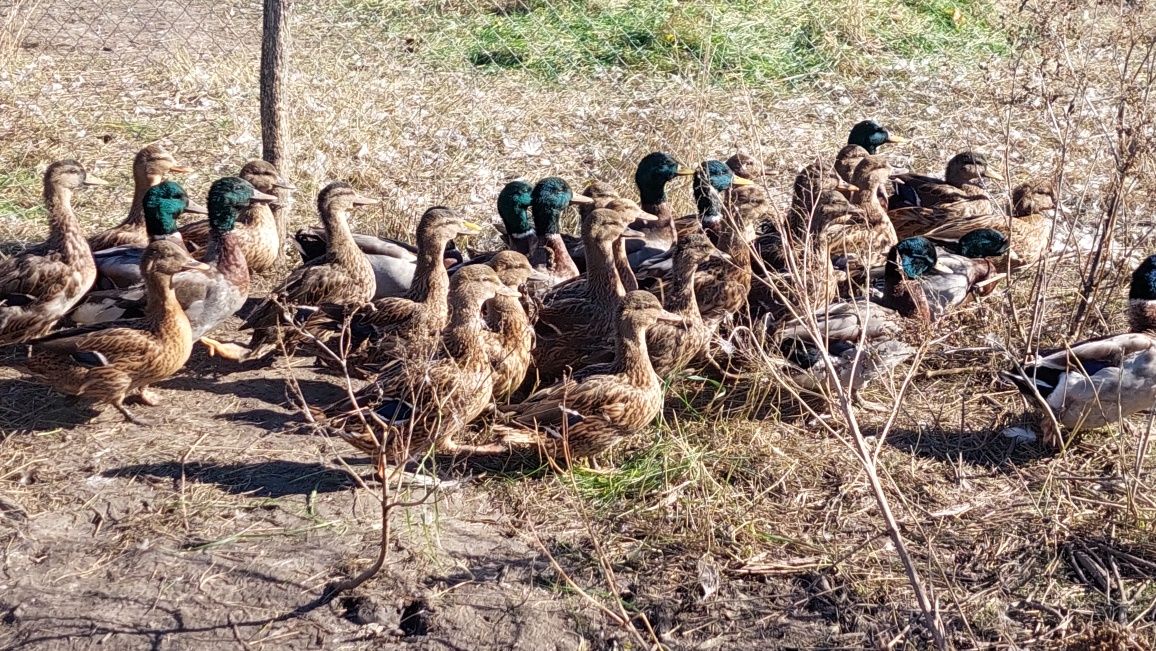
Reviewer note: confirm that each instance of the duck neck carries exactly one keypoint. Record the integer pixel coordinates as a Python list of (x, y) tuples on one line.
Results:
[(460, 339), (522, 242), (904, 295), (563, 263), (224, 251), (162, 309), (1142, 315), (603, 282), (140, 186), (664, 225), (341, 243), (681, 299), (631, 357), (622, 266), (431, 281), (64, 233)]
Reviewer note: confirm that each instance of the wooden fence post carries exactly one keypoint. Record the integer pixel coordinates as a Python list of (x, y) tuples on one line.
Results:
[(274, 126)]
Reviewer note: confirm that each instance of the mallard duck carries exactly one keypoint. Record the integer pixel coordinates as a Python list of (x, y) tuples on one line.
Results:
[(1098, 381), (964, 270), (119, 267), (860, 245), (340, 277), (550, 256), (921, 204), (673, 345), (630, 251), (791, 274), (149, 168), (722, 285), (509, 337), (860, 338), (209, 295), (111, 362), (570, 328), (1031, 229), (256, 231), (591, 410), (751, 199), (408, 326), (864, 140), (654, 172), (41, 285), (422, 403)]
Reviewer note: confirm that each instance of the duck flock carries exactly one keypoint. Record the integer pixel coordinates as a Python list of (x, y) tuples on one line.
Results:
[(554, 347)]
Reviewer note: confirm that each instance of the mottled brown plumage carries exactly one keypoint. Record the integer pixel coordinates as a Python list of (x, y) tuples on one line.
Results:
[(419, 404), (571, 327), (925, 205), (864, 243), (818, 177), (256, 231), (587, 413), (673, 345), (800, 271), (110, 362), (341, 277), (149, 167), (41, 285), (509, 338), (409, 326)]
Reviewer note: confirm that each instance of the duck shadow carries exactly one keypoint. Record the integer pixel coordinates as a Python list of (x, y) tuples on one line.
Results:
[(984, 448), (273, 391), (263, 479), (26, 405)]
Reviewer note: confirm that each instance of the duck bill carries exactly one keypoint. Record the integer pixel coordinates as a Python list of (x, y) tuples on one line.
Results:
[(740, 181), (469, 228), (580, 199), (993, 175), (360, 200), (667, 317), (630, 232), (683, 170), (284, 185), (196, 208), (896, 140), (846, 187), (180, 169), (94, 180), (194, 265), (261, 196)]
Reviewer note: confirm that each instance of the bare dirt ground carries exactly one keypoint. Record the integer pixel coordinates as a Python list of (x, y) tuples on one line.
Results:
[(728, 527)]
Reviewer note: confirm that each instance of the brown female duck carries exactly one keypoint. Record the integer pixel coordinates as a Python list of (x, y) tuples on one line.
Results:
[(921, 204), (571, 327), (149, 168), (341, 277), (256, 229), (591, 410), (864, 244), (509, 338), (41, 285), (110, 362), (420, 404), (409, 325)]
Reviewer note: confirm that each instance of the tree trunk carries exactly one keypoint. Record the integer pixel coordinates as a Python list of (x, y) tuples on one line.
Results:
[(274, 127)]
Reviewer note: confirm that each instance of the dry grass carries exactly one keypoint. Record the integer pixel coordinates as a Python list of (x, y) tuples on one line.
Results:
[(771, 514)]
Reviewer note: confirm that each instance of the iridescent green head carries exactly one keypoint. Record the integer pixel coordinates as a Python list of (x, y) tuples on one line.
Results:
[(163, 204), (514, 202), (227, 197), (549, 198), (914, 255), (983, 243), (1143, 285), (712, 179), (870, 135), (654, 171)]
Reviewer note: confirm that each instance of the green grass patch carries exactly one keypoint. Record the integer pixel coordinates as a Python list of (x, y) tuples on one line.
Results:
[(726, 41)]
